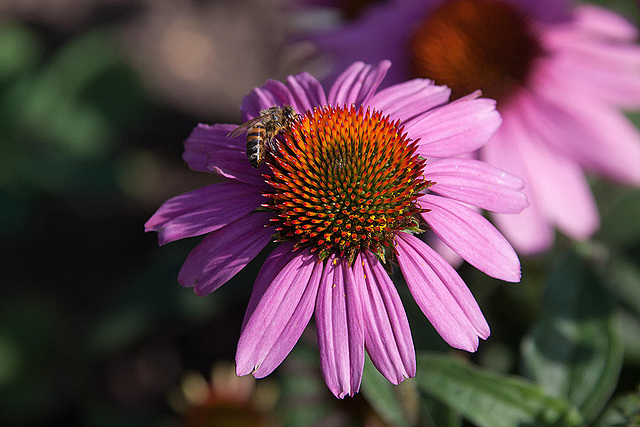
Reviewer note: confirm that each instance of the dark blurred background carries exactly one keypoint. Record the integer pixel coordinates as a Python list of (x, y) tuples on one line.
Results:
[(96, 97)]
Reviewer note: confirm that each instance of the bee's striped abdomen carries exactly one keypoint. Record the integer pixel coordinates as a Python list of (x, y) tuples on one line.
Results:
[(256, 144)]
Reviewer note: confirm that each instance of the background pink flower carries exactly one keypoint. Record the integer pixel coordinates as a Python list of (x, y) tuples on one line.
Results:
[(560, 74), (346, 190)]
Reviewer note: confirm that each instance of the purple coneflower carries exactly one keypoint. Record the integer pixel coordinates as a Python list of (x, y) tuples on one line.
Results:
[(345, 193), (559, 76)]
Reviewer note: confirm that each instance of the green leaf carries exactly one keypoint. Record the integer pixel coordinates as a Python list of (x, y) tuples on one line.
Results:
[(623, 411), (381, 396), (434, 414), (575, 351), (630, 333), (20, 50), (490, 399), (627, 8), (620, 211), (622, 276)]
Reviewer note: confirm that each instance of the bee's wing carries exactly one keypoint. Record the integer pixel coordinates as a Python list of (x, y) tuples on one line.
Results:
[(243, 127)]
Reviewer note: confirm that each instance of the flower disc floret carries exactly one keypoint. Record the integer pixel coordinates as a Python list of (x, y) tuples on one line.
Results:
[(345, 179)]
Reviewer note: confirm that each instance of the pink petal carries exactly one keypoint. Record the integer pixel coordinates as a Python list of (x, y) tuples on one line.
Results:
[(456, 128), (529, 232), (600, 75), (275, 262), (225, 252), (208, 149), (280, 315), (442, 249), (233, 164), (272, 93), (598, 136), (339, 325), (307, 92), (279, 92), (406, 100), (302, 92), (203, 210), (562, 192), (441, 294), (206, 139), (604, 22), (477, 183), (357, 84), (387, 335), (472, 237), (604, 52)]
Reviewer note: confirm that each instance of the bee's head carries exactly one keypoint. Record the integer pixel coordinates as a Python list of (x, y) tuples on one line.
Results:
[(289, 113)]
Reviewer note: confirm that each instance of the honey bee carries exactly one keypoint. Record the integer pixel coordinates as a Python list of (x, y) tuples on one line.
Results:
[(262, 129)]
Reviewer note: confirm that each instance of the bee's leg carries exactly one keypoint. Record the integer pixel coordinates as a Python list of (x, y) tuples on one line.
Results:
[(273, 146)]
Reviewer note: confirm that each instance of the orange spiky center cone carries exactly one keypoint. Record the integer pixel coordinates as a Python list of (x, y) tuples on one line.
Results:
[(345, 180), (475, 44)]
